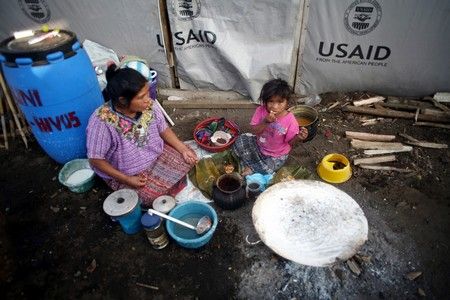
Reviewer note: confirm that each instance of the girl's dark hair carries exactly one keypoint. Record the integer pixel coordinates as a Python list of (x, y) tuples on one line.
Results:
[(123, 85), (276, 87)]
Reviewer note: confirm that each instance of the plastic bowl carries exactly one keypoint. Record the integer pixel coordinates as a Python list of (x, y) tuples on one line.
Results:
[(80, 182), (308, 117), (191, 212), (334, 168), (221, 138), (231, 126)]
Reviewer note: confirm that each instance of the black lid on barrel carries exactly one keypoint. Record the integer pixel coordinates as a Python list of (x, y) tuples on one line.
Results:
[(12, 48)]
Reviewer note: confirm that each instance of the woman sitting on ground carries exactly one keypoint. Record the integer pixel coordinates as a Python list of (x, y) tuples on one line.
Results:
[(129, 143)]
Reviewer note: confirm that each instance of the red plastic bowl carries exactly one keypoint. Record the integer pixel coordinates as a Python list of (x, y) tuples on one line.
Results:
[(213, 148)]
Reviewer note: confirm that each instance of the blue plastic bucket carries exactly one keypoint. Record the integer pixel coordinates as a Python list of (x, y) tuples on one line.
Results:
[(54, 84), (123, 206), (190, 212), (131, 222)]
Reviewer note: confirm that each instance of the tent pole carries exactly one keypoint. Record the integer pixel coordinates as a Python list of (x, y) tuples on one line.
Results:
[(168, 42), (300, 39)]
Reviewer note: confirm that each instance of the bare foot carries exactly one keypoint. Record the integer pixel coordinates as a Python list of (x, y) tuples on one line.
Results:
[(247, 171)]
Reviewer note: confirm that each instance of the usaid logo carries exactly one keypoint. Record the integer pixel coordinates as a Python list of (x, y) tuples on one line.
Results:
[(362, 16), (186, 10), (36, 10)]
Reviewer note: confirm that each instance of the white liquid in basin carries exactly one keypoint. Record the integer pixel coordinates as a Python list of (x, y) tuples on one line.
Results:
[(79, 176)]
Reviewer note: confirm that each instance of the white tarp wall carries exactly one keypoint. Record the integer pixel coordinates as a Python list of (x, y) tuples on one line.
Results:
[(390, 47), (233, 45), (127, 27), (397, 47)]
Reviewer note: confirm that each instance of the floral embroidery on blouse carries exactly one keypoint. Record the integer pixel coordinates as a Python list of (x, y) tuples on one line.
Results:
[(133, 131)]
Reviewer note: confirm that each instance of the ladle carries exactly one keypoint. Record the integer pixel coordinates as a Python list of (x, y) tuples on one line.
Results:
[(203, 225)]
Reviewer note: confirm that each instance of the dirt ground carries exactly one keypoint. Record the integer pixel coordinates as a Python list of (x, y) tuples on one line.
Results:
[(56, 244)]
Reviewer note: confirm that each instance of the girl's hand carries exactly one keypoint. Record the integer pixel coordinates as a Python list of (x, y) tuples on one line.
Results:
[(136, 181), (303, 133), (189, 156), (271, 117)]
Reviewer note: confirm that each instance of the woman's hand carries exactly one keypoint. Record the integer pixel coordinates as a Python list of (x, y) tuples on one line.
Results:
[(135, 181), (189, 156)]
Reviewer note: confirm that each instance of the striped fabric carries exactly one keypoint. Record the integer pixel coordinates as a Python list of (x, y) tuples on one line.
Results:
[(246, 148), (166, 177)]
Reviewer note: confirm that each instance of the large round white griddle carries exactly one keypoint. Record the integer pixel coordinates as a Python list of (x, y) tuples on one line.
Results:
[(309, 222)]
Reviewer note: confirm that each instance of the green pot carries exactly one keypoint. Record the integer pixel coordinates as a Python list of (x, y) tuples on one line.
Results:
[(71, 167)]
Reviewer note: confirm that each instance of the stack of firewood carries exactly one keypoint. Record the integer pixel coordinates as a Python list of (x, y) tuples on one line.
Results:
[(381, 148), (12, 122), (427, 111)]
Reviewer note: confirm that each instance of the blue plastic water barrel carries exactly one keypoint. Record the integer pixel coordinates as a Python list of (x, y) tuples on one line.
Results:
[(54, 84)]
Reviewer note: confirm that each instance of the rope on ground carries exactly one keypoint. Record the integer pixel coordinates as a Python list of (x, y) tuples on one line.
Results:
[(252, 243)]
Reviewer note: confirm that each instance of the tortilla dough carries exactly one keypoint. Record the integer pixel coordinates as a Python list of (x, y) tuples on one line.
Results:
[(309, 222)]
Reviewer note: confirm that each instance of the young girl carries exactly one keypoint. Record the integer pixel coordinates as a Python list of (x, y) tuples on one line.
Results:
[(274, 129), (129, 144)]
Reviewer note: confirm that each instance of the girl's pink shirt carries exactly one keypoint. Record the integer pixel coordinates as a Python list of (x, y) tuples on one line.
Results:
[(274, 140)]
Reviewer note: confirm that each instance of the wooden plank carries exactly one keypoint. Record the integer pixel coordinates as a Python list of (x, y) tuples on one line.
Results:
[(379, 152), (427, 145), (358, 144), (442, 97), (365, 136), (374, 160), (368, 101), (385, 168), (395, 114)]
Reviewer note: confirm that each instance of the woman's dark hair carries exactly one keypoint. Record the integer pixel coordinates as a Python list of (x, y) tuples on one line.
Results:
[(123, 85), (276, 87)]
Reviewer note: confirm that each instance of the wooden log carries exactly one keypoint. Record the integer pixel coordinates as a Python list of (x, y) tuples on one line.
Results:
[(415, 142), (409, 102), (399, 106), (379, 152), (432, 124), (427, 145), (435, 112), (365, 136), (368, 101), (2, 120), (439, 105), (385, 168), (358, 144), (13, 110), (374, 160), (395, 114)]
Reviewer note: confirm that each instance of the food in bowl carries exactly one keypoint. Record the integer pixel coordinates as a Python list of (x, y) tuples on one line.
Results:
[(220, 138)]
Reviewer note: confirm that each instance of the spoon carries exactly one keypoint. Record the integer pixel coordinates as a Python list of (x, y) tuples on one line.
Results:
[(203, 225)]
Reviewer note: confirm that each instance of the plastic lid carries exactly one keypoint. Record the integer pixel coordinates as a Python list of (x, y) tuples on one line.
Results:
[(120, 202), (12, 48), (164, 203), (149, 221)]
